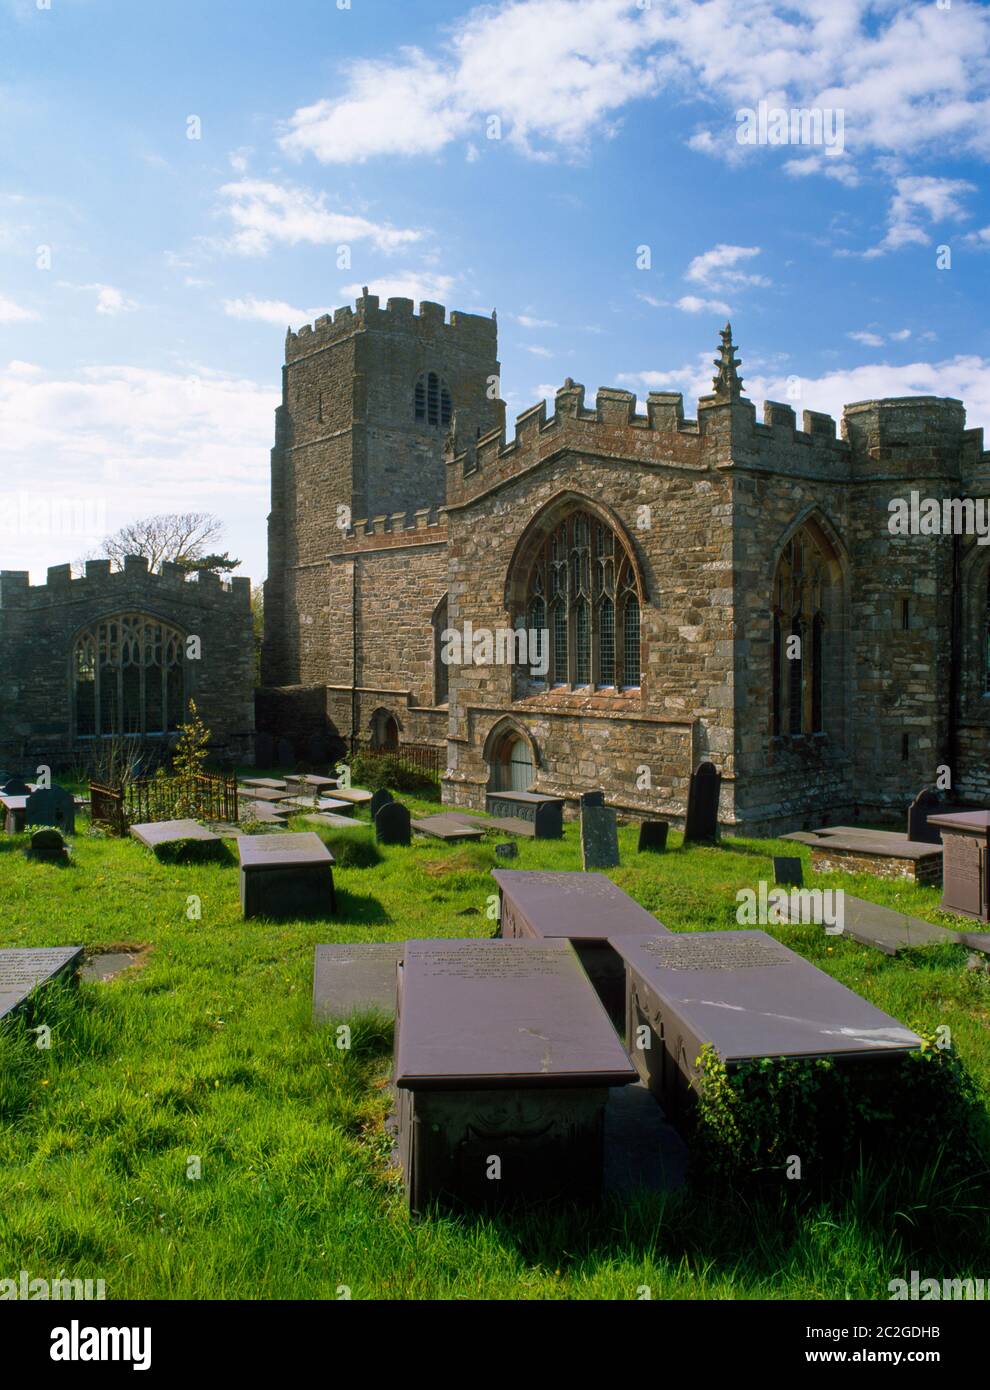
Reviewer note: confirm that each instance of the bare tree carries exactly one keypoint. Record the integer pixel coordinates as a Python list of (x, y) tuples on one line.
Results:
[(183, 538)]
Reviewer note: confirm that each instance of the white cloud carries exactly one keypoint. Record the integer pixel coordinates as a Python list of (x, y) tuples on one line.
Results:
[(275, 311), (109, 300), (407, 285), (693, 304), (128, 442), (717, 269), (15, 313), (266, 213), (541, 352), (527, 321), (867, 339), (915, 199), (907, 78), (980, 238)]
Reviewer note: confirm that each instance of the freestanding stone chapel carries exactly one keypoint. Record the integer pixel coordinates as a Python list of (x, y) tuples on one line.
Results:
[(669, 564)]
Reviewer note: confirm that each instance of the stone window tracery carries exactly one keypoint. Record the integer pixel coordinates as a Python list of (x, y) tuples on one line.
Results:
[(582, 591), (128, 677), (799, 631)]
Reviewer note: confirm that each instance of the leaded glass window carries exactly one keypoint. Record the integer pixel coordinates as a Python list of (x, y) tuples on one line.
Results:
[(128, 677)]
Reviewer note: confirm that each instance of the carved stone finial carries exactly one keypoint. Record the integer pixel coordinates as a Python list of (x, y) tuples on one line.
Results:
[(727, 384)]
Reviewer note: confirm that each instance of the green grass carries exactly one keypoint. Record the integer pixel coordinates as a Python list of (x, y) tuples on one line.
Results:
[(209, 1051)]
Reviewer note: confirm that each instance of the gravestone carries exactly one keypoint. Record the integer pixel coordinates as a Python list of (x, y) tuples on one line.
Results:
[(333, 821), (653, 835), (51, 806), (788, 869), (15, 786), (502, 1051), (13, 807), (599, 837), (285, 754), (48, 844), (544, 813), (23, 970), (701, 822), (180, 841), (392, 825), (264, 750), (264, 784), (287, 875), (925, 804), (881, 927), (380, 798), (449, 828), (354, 978), (357, 796), (585, 908), (508, 851), (595, 798), (749, 997), (965, 862)]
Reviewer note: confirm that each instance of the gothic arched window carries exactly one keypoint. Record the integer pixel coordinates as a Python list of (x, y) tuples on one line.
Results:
[(799, 637), (582, 594), (431, 400), (127, 677)]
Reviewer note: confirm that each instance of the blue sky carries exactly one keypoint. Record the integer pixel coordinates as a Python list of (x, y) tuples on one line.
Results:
[(146, 278)]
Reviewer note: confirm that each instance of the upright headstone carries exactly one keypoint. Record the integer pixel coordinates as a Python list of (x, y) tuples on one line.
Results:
[(599, 837), (701, 822), (788, 869), (507, 851), (51, 806), (381, 798), (653, 835), (926, 803), (264, 750), (48, 844), (392, 825), (285, 754), (596, 798)]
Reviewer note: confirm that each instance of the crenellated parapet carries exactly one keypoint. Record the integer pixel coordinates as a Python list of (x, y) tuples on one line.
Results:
[(367, 315), (427, 526), (102, 582)]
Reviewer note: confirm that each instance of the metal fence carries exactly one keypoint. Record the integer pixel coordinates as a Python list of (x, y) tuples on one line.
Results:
[(207, 796), (413, 757)]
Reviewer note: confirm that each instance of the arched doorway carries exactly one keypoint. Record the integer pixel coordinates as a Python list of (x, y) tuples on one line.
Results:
[(384, 731), (512, 764)]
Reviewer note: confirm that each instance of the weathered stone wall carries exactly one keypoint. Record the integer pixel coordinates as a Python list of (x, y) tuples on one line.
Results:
[(657, 481), (38, 626)]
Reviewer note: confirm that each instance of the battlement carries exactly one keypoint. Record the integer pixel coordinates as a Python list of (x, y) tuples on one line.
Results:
[(17, 591), (426, 524), (398, 315)]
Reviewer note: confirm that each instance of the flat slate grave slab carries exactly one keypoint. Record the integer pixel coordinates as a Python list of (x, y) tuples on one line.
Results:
[(750, 997), (449, 828), (355, 977), (502, 1051), (887, 930), (179, 839), (886, 853), (334, 821), (357, 796), (23, 970), (288, 875), (272, 784), (271, 794), (587, 909), (309, 784)]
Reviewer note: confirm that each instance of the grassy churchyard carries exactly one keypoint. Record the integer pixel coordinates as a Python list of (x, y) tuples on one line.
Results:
[(190, 1134)]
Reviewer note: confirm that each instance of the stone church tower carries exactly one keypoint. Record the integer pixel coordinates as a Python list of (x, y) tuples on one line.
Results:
[(368, 397)]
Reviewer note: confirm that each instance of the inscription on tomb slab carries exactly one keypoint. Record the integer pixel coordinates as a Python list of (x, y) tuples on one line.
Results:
[(21, 971), (715, 954)]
